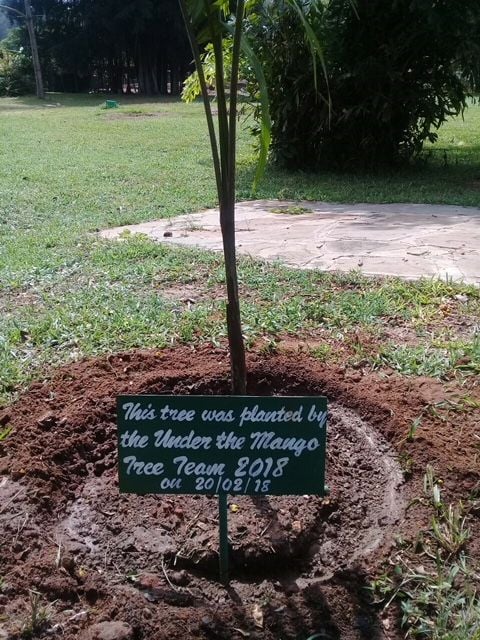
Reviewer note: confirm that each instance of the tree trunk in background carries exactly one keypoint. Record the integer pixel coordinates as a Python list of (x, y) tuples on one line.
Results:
[(147, 75), (174, 81), (162, 78), (153, 71), (37, 70), (140, 75)]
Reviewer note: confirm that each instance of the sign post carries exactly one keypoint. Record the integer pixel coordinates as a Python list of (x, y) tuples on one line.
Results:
[(221, 445), (223, 536)]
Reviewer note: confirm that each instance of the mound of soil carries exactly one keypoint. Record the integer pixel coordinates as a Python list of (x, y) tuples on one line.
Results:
[(98, 564)]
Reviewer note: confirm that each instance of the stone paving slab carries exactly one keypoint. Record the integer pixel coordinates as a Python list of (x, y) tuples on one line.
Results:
[(406, 240)]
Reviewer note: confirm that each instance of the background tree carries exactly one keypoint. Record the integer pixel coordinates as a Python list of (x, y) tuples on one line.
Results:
[(112, 45), (5, 25), (26, 17), (32, 39), (16, 71)]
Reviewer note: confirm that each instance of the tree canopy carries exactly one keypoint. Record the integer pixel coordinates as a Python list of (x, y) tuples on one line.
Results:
[(112, 45)]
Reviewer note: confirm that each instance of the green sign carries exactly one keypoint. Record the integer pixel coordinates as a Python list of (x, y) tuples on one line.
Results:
[(222, 444)]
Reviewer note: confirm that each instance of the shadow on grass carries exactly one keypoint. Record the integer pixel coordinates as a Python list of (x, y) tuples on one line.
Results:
[(442, 175)]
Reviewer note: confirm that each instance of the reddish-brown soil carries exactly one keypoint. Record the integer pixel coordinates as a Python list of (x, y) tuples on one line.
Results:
[(144, 567)]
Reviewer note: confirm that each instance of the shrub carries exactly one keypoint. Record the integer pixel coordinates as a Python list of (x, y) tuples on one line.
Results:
[(15, 68), (395, 73)]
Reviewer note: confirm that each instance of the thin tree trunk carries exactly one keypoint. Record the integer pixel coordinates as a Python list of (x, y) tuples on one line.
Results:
[(234, 323), (227, 223), (37, 70), (227, 213), (224, 165), (163, 78), (153, 73)]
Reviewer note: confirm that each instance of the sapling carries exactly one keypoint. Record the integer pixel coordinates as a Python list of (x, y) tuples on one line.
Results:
[(208, 22)]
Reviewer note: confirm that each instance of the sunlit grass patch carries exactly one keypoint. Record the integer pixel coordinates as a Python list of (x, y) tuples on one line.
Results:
[(437, 361)]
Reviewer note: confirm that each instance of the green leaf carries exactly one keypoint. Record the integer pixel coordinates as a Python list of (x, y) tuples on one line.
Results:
[(5, 432), (313, 42), (265, 123)]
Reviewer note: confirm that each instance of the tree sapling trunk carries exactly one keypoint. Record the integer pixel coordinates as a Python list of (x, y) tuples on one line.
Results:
[(224, 161)]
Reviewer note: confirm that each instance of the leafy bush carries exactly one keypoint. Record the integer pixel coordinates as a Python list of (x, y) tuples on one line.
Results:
[(394, 72), (15, 68), (191, 87)]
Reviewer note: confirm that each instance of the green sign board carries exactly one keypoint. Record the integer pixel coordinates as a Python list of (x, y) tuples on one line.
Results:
[(222, 444)]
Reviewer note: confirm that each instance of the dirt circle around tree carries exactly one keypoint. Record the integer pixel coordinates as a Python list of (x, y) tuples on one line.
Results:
[(150, 561), (364, 505)]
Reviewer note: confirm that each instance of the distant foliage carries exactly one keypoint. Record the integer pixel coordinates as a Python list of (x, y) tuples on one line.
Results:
[(5, 24), (16, 76), (110, 46), (396, 71)]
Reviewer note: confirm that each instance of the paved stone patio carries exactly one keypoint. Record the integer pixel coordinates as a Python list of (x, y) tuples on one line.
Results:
[(405, 240)]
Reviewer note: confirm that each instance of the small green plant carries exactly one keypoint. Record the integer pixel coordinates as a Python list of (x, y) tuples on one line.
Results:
[(465, 404), (4, 433), (432, 579), (322, 352), (294, 210), (38, 615), (406, 463), (449, 530), (268, 347), (414, 426), (415, 360)]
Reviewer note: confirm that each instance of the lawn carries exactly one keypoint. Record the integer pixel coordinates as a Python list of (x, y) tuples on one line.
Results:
[(69, 168)]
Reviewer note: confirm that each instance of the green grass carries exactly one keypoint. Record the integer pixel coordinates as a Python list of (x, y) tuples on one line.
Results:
[(70, 167), (434, 361), (433, 580)]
